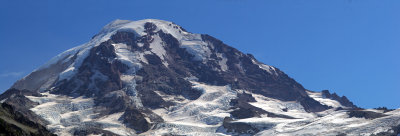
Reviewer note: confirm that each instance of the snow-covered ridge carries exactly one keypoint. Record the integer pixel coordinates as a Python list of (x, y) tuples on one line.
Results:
[(269, 69), (325, 101), (191, 42)]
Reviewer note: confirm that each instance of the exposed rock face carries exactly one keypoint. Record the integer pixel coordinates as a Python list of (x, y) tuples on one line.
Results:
[(152, 77), (15, 100), (365, 114), (343, 100), (13, 123), (242, 109), (239, 127)]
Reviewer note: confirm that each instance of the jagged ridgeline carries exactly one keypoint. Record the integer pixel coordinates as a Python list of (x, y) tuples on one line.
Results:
[(152, 77)]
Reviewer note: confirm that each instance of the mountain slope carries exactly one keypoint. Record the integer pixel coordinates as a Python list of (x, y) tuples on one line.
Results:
[(152, 77), (13, 122)]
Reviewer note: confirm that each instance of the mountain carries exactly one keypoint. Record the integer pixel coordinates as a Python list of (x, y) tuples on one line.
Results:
[(152, 77)]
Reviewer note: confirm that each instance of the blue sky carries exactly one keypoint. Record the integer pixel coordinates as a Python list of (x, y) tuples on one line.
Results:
[(350, 47)]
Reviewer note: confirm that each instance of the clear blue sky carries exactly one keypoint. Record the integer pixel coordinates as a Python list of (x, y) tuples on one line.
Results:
[(351, 47)]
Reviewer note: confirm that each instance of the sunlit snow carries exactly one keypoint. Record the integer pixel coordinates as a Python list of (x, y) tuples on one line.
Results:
[(67, 113)]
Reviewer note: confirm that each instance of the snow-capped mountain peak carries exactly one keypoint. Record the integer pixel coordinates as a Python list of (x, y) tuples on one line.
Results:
[(152, 77)]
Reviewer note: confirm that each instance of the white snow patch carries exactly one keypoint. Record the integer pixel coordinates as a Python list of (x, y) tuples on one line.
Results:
[(269, 69), (131, 59), (197, 48), (95, 135), (2, 101), (157, 47), (66, 74), (325, 101), (222, 62), (140, 44)]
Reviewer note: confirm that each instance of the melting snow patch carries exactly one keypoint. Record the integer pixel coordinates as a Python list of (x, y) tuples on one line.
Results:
[(157, 47)]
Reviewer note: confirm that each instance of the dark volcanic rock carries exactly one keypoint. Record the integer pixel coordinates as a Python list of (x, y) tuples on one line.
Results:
[(19, 103), (94, 131), (365, 114), (242, 109), (252, 78), (384, 109), (96, 69), (343, 100), (238, 127), (135, 119), (14, 123)]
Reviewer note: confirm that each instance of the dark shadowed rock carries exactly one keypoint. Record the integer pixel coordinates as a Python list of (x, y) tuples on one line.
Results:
[(238, 127), (384, 109), (14, 123), (15, 99), (365, 114), (135, 119)]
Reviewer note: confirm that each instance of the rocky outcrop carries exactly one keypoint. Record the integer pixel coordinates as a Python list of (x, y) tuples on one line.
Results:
[(14, 123), (343, 100), (242, 109), (135, 119), (17, 101), (365, 114), (239, 127), (245, 73)]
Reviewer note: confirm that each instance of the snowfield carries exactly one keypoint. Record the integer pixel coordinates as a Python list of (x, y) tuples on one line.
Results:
[(204, 116)]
